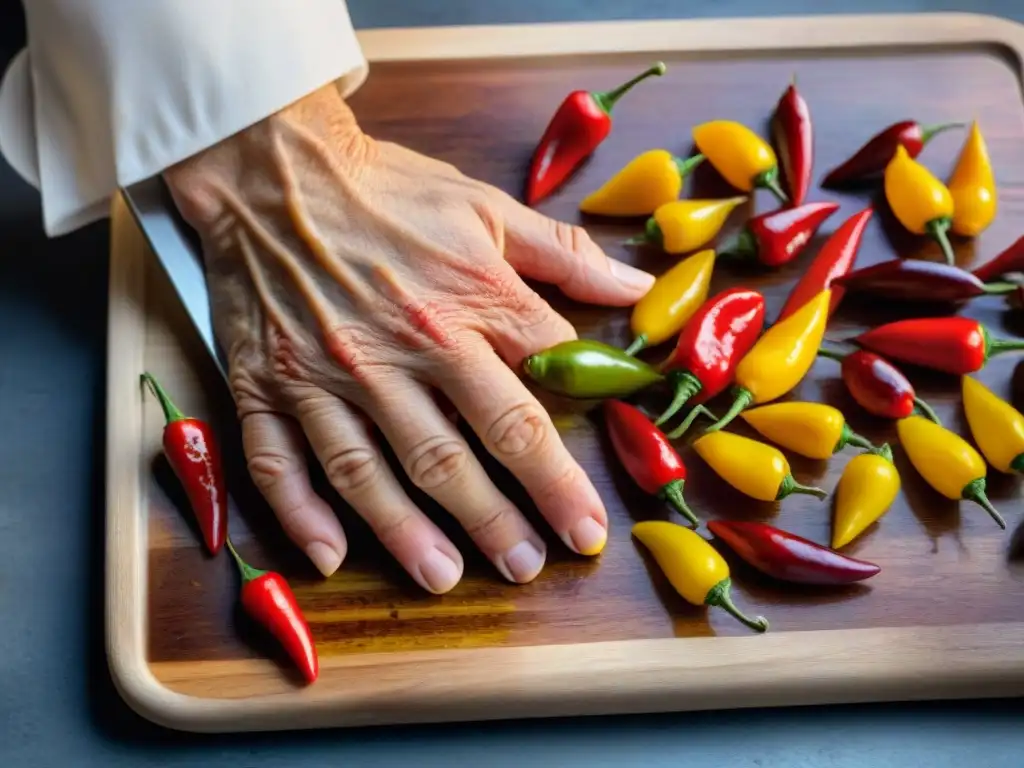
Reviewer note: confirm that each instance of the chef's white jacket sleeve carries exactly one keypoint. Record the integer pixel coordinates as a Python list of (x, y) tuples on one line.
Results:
[(110, 92)]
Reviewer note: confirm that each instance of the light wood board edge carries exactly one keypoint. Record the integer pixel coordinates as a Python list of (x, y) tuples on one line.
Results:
[(776, 669)]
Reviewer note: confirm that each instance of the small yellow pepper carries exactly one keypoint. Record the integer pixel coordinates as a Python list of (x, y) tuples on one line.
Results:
[(866, 490), (946, 461), (759, 470), (686, 225), (645, 183), (997, 426), (920, 202), (780, 358), (743, 158), (973, 187), (693, 567), (814, 430), (671, 301)]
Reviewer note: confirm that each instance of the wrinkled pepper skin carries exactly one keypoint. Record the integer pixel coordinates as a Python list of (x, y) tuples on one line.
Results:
[(813, 430), (919, 201), (754, 468), (973, 187), (743, 158), (946, 461), (867, 488), (794, 139), (693, 567), (645, 183), (997, 427), (686, 225), (586, 369), (777, 237), (918, 280), (671, 301), (1009, 261), (871, 159), (878, 386)]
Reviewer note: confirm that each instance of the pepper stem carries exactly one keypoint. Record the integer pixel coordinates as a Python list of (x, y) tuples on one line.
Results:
[(606, 99), (651, 236), (926, 410), (673, 494), (831, 354), (938, 230), (848, 437), (744, 397), (995, 346), (688, 421), (171, 411), (686, 166), (247, 571), (998, 288), (975, 491), (1017, 465), (720, 597), (770, 181), (637, 344), (789, 486), (884, 450), (929, 132), (686, 385), (743, 246)]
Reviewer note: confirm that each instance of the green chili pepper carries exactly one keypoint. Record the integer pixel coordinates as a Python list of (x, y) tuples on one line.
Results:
[(589, 369)]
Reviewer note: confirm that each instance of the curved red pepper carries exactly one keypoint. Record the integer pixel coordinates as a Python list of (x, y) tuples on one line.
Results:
[(788, 557), (956, 345), (835, 259), (711, 345), (193, 452), (777, 237), (581, 123), (647, 455), (1010, 260), (876, 153), (878, 386), (918, 280), (794, 140)]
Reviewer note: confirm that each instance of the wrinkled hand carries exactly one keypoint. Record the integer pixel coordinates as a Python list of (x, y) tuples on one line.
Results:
[(350, 280)]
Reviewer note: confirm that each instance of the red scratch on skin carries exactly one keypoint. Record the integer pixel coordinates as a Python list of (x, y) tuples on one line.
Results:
[(476, 273), (283, 353), (423, 317), (343, 353)]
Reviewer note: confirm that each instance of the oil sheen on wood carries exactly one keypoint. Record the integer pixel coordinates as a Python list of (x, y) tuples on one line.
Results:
[(942, 562)]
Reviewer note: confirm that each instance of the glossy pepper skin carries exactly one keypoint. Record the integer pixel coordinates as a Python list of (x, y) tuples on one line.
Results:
[(267, 597), (973, 187), (780, 358), (946, 461), (693, 567), (956, 345), (711, 345), (794, 139), (645, 183), (918, 280), (671, 301), (1008, 261), (867, 488), (788, 557), (997, 427), (878, 386), (193, 452), (686, 225), (836, 258), (743, 158), (759, 470), (579, 125), (777, 237), (647, 455), (919, 201), (585, 369), (875, 154), (814, 430)]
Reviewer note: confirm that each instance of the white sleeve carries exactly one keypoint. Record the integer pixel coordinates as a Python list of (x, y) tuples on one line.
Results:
[(110, 92)]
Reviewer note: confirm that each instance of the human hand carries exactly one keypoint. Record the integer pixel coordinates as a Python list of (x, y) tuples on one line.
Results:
[(350, 280)]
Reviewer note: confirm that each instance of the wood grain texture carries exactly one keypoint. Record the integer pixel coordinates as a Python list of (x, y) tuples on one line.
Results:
[(948, 574)]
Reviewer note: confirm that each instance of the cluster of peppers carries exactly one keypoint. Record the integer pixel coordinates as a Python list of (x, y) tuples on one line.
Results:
[(193, 451)]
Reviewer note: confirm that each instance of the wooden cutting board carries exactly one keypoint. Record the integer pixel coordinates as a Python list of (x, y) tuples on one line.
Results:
[(602, 635)]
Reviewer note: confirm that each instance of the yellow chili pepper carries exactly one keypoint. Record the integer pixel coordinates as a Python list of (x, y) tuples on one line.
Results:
[(973, 187), (759, 470), (946, 461), (865, 492), (919, 201), (780, 358), (997, 426), (686, 225), (694, 568), (744, 159), (814, 430), (671, 301), (646, 182)]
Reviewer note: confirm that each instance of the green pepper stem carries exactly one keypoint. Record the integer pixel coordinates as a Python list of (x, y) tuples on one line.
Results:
[(848, 437), (171, 411), (247, 571), (688, 421), (651, 236), (770, 181), (1017, 465), (995, 346), (789, 486), (999, 288), (884, 450), (926, 410), (686, 166), (975, 491), (686, 385), (744, 397), (929, 132), (606, 99), (743, 246), (721, 597), (831, 354), (636, 345), (938, 230), (673, 494)]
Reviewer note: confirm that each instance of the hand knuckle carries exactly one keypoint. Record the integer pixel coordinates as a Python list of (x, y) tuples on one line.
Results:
[(436, 462), (268, 469), (520, 431), (485, 525), (352, 470), (571, 237)]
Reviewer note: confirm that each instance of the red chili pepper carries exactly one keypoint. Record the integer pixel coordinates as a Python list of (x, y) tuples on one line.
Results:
[(777, 237), (267, 597), (835, 259), (878, 386), (711, 345), (788, 557), (193, 452), (918, 280), (1010, 260), (876, 153), (580, 124), (956, 345), (794, 139), (647, 455)]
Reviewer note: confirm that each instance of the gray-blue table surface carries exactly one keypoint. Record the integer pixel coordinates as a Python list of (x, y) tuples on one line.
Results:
[(57, 704)]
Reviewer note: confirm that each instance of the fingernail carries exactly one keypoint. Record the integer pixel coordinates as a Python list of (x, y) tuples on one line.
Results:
[(438, 572), (522, 562), (324, 557), (630, 276), (587, 537)]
